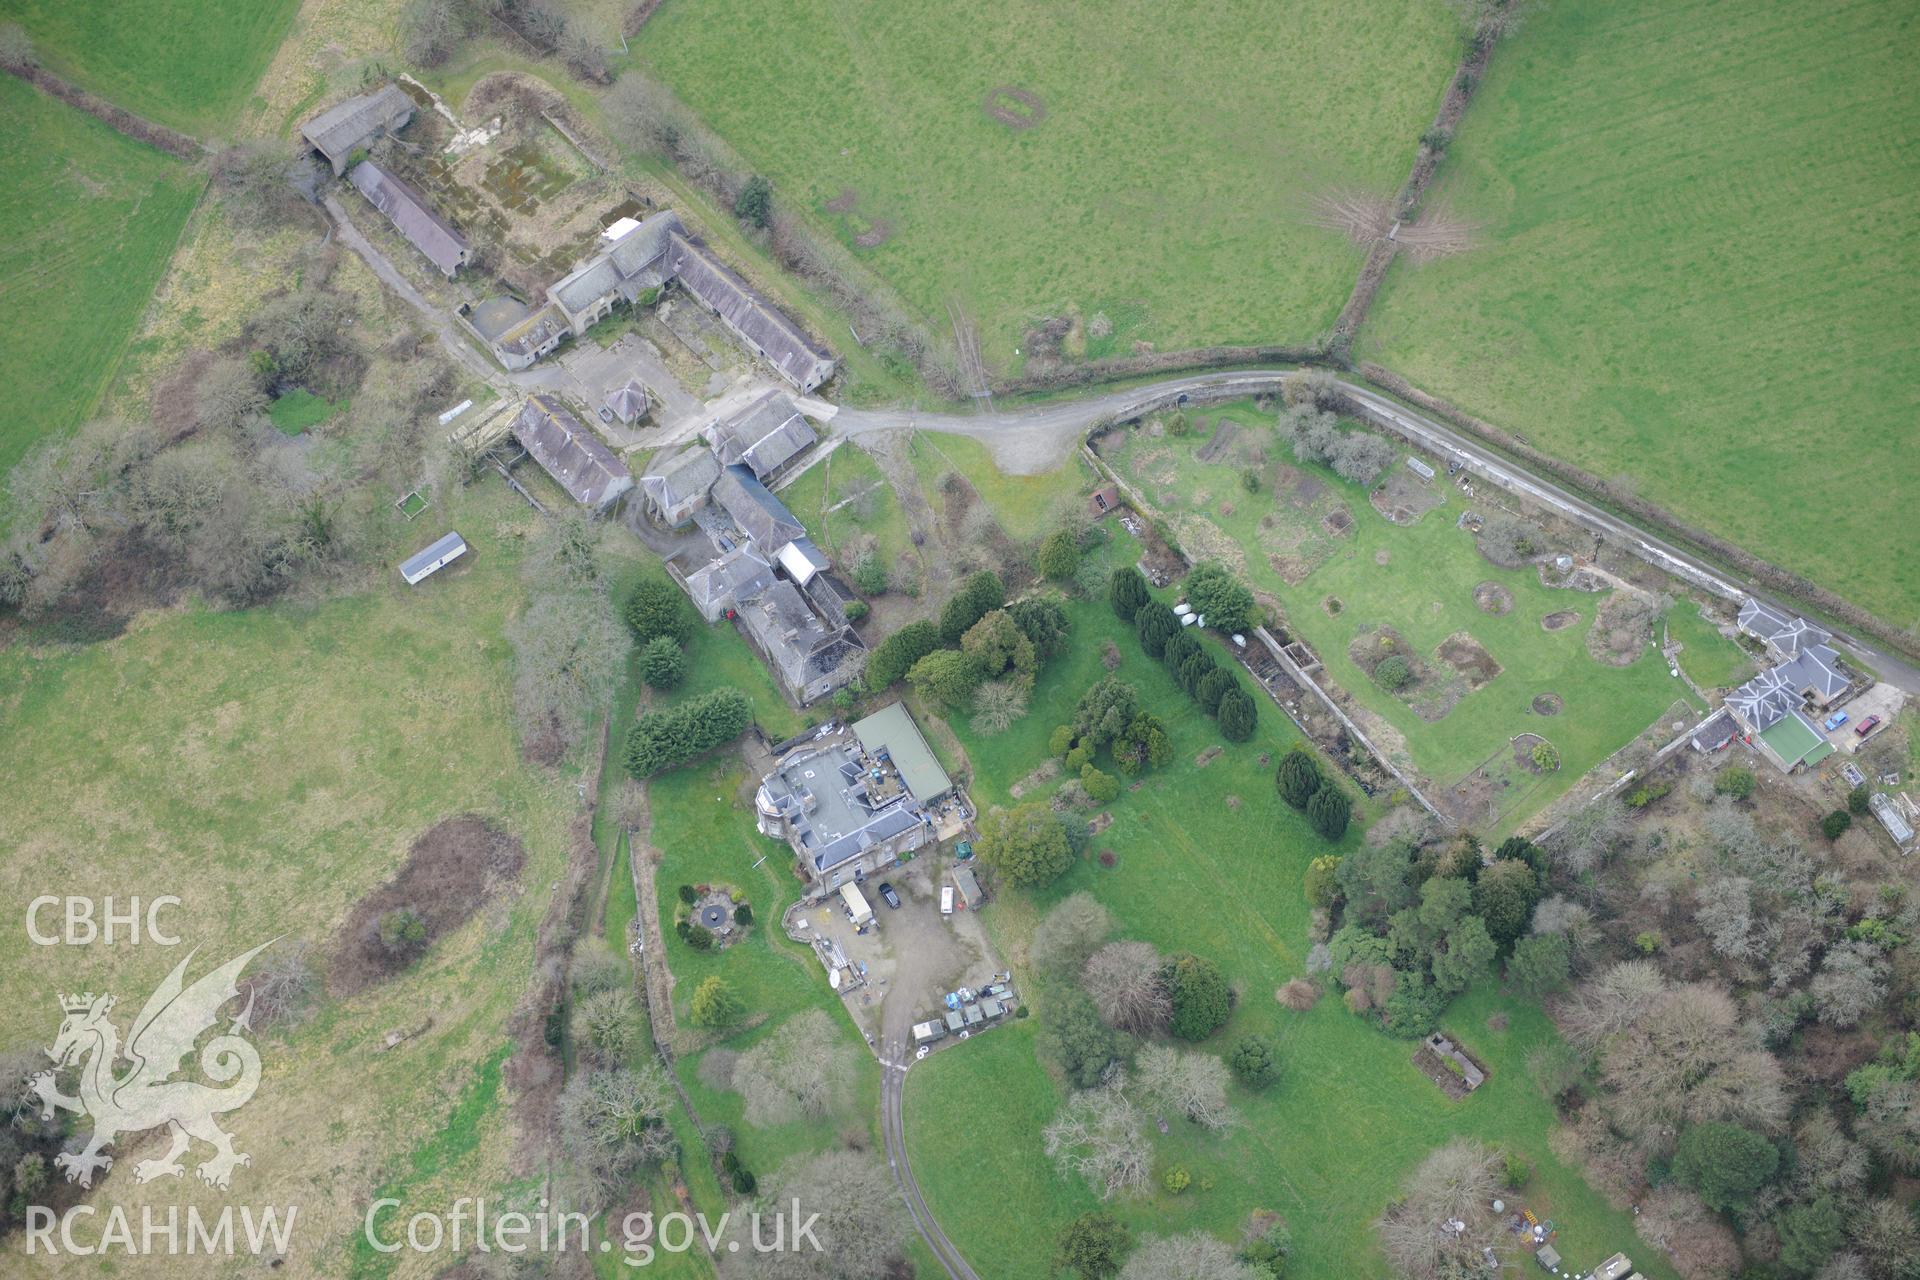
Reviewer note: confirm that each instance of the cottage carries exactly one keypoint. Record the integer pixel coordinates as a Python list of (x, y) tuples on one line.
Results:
[(570, 453), (1784, 634), (846, 811), (767, 434), (356, 123), (411, 216), (424, 564), (1770, 707), (621, 272)]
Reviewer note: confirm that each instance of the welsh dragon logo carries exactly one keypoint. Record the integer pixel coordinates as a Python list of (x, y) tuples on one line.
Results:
[(145, 1096)]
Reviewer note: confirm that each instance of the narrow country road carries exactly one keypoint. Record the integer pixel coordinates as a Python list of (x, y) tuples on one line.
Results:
[(1032, 440), (895, 1058)]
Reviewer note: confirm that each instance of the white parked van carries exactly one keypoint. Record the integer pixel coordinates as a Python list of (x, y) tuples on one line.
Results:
[(946, 899)]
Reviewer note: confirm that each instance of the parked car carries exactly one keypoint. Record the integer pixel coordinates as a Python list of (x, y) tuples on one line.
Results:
[(1867, 726), (888, 896), (1835, 720)]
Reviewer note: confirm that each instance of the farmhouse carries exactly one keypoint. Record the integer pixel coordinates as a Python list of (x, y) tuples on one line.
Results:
[(649, 255), (570, 453), (810, 654), (356, 123), (411, 216), (851, 802), (762, 518), (740, 574)]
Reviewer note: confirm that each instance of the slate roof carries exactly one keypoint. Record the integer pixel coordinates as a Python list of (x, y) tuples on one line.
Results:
[(723, 583), (681, 478), (412, 216), (766, 434), (570, 453), (629, 402), (614, 266), (1778, 691), (801, 645), (832, 808), (761, 324), (1786, 632), (335, 132), (761, 516)]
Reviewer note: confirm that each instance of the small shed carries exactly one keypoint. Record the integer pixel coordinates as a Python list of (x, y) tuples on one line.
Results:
[(992, 1008), (1548, 1257), (973, 1015), (1105, 501), (928, 1032), (954, 1021), (969, 886), (1420, 468), (424, 564)]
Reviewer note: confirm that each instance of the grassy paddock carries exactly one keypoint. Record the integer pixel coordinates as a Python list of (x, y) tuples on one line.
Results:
[(270, 767), (1327, 1146), (1168, 186), (90, 219), (1695, 270), (191, 64)]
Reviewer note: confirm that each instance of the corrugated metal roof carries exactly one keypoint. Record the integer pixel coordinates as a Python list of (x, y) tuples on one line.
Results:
[(449, 547), (336, 131)]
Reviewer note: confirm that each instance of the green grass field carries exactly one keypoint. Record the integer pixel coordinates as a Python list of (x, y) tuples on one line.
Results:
[(191, 64), (90, 220), (1028, 507), (1210, 860), (270, 767), (1168, 186), (1418, 579), (1696, 269), (299, 410)]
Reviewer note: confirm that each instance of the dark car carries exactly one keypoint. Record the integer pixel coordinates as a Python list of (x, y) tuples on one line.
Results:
[(888, 896), (1867, 726)]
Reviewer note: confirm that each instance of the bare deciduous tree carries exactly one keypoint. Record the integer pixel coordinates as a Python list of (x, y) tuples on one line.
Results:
[(1443, 1220), (1097, 1136), (1069, 933), (1611, 1001), (1851, 981), (1591, 837), (612, 1123), (1127, 981), (793, 1073), (1193, 1256), (610, 1023), (1190, 1084), (862, 1225), (1686, 1061), (282, 984), (1724, 911), (567, 651)]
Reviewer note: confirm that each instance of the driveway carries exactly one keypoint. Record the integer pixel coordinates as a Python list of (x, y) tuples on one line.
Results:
[(1883, 700)]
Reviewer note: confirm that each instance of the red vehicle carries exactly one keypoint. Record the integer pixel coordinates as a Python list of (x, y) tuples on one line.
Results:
[(1867, 726)]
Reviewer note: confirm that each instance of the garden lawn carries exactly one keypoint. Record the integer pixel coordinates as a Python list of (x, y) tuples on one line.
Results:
[(1169, 185), (191, 64), (1712, 660), (300, 409), (1327, 1146), (88, 221), (270, 767), (1418, 579), (847, 473), (1696, 270)]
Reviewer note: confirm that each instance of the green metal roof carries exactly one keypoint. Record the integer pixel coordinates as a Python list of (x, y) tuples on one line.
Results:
[(892, 728), (1794, 740)]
